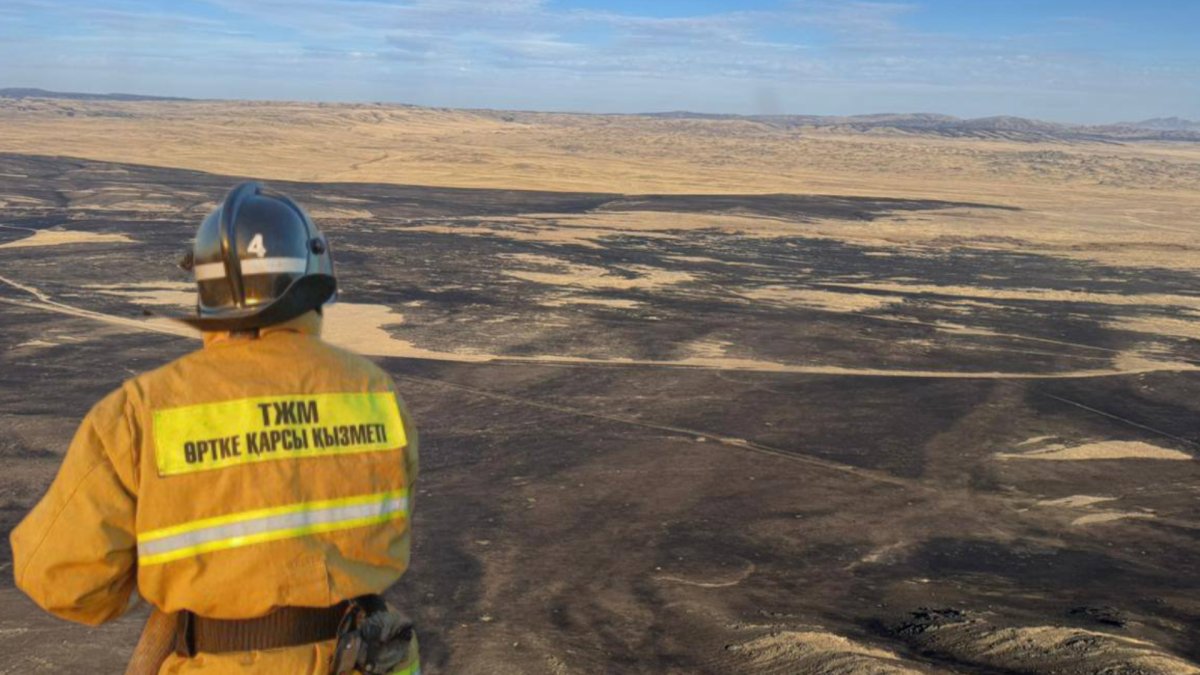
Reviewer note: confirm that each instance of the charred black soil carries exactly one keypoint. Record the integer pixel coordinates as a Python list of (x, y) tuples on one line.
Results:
[(692, 450)]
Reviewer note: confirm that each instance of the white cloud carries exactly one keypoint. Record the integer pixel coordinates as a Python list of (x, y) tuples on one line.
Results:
[(821, 56)]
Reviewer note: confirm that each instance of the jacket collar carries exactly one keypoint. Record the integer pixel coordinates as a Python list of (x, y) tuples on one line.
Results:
[(308, 323)]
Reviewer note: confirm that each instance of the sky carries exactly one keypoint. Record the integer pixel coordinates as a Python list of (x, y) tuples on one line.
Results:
[(1088, 61)]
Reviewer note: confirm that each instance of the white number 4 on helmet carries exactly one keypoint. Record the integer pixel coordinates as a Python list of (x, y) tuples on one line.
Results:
[(256, 246)]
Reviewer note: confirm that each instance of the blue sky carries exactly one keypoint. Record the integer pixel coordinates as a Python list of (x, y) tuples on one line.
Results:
[(1064, 60)]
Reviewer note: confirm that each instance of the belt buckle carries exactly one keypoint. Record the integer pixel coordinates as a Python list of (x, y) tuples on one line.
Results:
[(350, 645), (345, 655)]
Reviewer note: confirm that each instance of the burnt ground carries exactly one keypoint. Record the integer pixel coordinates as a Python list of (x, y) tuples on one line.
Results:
[(588, 514)]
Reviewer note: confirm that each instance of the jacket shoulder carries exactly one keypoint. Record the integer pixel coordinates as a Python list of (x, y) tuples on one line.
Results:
[(355, 361), (143, 381), (206, 363)]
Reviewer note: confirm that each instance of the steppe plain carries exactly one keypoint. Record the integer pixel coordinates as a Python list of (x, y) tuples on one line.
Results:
[(696, 396)]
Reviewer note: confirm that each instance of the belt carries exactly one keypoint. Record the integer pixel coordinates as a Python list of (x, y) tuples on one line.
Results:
[(284, 627)]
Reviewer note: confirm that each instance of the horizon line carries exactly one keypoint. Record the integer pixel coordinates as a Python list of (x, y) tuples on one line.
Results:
[(129, 97)]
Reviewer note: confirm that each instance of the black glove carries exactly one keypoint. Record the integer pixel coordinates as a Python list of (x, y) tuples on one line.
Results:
[(387, 636)]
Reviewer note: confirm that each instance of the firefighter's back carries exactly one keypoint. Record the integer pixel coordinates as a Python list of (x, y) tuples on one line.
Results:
[(259, 488), (274, 472)]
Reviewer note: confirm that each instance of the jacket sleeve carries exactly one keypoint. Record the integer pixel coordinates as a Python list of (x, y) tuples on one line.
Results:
[(75, 553)]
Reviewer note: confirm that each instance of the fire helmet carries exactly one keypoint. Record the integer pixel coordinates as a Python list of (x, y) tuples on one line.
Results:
[(258, 260)]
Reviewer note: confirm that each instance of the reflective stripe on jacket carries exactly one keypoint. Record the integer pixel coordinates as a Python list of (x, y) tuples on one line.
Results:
[(249, 475)]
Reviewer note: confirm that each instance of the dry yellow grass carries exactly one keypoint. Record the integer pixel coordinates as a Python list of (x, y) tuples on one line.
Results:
[(1053, 649), (1075, 501), (815, 652), (1111, 516), (61, 237), (1129, 204), (1125, 204), (1100, 450), (1036, 294), (827, 300), (556, 151)]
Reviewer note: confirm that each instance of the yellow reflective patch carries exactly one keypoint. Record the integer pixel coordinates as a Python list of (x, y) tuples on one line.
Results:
[(231, 433)]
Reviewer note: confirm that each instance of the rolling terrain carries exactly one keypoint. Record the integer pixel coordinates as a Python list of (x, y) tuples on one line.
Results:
[(696, 395)]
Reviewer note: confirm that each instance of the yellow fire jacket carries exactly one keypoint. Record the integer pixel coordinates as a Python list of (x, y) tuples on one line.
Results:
[(249, 475)]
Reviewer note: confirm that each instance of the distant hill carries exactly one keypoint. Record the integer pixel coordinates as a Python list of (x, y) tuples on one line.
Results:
[(29, 92), (999, 127), (1165, 124)]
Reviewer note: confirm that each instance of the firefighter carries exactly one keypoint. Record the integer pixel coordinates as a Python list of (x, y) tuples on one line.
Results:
[(258, 491)]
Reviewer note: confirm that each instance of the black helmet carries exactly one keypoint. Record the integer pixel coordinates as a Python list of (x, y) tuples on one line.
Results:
[(258, 260)]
